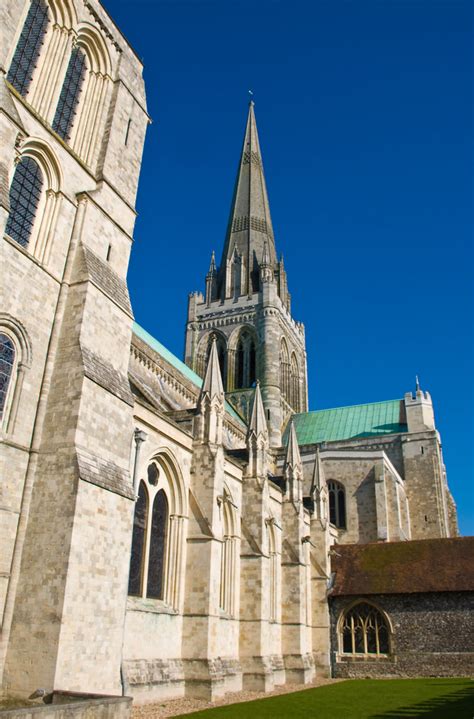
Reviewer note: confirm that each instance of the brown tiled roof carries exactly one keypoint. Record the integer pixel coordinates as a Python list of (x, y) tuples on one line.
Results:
[(427, 565)]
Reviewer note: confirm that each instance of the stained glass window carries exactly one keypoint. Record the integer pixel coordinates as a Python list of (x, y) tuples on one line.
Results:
[(337, 504), (70, 92), (7, 360), (365, 631), (156, 562), (29, 46), (25, 193), (135, 580)]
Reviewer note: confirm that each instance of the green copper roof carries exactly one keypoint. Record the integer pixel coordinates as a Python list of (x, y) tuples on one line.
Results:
[(360, 420), (176, 363)]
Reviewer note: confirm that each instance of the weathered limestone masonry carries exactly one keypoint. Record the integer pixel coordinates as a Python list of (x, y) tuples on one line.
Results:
[(67, 425), (175, 528)]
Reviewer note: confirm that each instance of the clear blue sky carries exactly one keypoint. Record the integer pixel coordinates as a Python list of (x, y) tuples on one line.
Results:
[(364, 111)]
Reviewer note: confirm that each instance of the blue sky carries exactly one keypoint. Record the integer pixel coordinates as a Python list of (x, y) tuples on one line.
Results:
[(364, 111)]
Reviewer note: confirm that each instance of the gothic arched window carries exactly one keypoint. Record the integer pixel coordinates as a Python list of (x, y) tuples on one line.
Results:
[(203, 356), (137, 558), (284, 370), (70, 92), (158, 534), (28, 47), (364, 631), (7, 363), (245, 373), (337, 504), (295, 383), (25, 194)]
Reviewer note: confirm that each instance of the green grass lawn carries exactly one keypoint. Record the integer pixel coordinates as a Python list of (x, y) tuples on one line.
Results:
[(361, 699)]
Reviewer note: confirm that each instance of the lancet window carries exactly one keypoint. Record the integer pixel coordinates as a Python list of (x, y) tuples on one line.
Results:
[(28, 47), (25, 194), (337, 504), (203, 356), (364, 631), (149, 538), (284, 370), (158, 534), (7, 364), (294, 383), (245, 372), (70, 94)]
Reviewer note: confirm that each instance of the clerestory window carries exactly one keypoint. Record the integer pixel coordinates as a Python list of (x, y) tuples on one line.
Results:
[(337, 504), (25, 194), (364, 631), (70, 94), (28, 47)]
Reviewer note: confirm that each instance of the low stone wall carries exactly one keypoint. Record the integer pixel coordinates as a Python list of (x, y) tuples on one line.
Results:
[(69, 705), (433, 635)]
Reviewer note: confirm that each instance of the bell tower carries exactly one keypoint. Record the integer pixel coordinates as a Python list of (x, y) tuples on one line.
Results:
[(247, 306)]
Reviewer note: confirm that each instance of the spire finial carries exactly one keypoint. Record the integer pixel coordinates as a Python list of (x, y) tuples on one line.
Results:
[(417, 383), (251, 102), (258, 424)]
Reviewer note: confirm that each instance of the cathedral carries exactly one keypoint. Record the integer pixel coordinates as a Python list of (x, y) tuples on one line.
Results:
[(186, 528)]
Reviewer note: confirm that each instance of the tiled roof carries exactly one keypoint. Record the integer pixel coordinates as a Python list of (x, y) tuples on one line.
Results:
[(360, 420), (176, 363), (424, 565)]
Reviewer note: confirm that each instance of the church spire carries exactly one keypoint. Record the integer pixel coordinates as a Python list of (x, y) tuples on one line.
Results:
[(250, 224)]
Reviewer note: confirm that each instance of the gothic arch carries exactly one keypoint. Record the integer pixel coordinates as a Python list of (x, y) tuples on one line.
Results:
[(45, 213), (20, 343), (229, 554), (242, 358), (294, 383), (284, 369), (162, 509), (64, 13), (89, 38), (366, 606), (204, 348)]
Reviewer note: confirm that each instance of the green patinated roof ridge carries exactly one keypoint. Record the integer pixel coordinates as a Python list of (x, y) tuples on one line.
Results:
[(177, 363)]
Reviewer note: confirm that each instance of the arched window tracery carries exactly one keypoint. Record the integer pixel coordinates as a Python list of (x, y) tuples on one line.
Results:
[(364, 631), (70, 94), (158, 534), (337, 504), (28, 48), (245, 369), (25, 194)]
